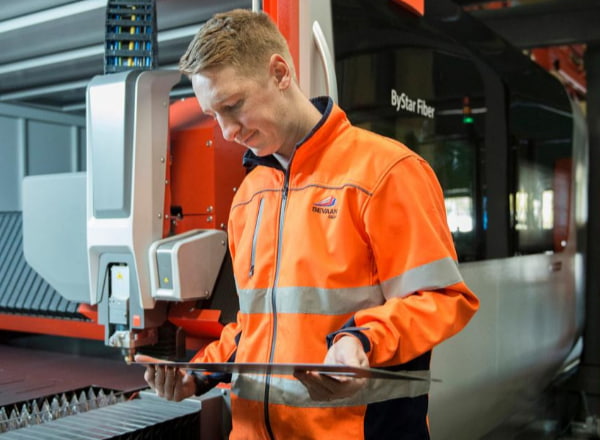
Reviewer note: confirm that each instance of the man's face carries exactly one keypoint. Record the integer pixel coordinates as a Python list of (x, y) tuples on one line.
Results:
[(247, 108)]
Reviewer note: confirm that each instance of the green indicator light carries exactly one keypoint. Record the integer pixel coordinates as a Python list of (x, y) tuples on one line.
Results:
[(467, 119)]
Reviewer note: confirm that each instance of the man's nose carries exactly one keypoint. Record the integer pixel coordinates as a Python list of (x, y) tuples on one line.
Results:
[(229, 128)]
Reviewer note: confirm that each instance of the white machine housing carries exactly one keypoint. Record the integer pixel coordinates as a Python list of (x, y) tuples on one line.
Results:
[(127, 132), (131, 267), (186, 266)]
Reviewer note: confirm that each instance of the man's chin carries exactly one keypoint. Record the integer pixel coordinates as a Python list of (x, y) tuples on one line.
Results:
[(259, 152)]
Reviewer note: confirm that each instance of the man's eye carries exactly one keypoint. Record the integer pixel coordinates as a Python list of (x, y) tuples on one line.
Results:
[(233, 107)]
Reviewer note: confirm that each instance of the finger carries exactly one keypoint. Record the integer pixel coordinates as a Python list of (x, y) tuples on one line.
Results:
[(145, 358), (349, 388), (308, 378), (149, 376), (363, 361), (324, 387), (185, 388), (311, 384), (301, 375), (171, 377), (320, 387), (337, 378), (159, 381), (151, 372)]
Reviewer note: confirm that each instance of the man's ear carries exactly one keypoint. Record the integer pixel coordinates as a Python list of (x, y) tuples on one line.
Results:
[(280, 70)]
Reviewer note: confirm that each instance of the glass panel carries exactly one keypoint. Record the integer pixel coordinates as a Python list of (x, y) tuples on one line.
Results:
[(540, 201), (427, 97)]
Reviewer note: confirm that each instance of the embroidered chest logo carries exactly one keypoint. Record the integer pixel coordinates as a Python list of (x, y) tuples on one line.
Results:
[(326, 207)]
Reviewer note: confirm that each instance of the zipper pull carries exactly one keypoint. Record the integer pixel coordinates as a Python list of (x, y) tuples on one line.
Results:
[(251, 273)]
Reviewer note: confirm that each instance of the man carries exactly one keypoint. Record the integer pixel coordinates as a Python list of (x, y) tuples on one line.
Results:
[(340, 248)]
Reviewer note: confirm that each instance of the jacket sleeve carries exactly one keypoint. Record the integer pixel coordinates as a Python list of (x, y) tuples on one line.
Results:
[(426, 298), (223, 349)]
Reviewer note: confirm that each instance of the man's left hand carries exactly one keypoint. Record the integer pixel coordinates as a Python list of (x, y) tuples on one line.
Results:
[(347, 350)]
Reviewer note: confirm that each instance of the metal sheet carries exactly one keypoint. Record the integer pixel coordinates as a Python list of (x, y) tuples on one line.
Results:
[(289, 369)]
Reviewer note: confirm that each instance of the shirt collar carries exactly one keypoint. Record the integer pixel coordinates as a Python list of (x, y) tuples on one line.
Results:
[(250, 160)]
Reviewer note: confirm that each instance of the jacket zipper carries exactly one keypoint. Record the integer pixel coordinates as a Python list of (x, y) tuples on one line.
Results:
[(284, 197), (255, 237)]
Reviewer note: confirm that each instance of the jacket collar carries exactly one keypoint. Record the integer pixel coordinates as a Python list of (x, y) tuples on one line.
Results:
[(324, 104)]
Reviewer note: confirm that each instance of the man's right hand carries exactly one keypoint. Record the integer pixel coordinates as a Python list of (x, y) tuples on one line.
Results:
[(168, 382), (348, 350)]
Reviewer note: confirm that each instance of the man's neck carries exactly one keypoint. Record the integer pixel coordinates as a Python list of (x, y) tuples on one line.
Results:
[(308, 116), (283, 160)]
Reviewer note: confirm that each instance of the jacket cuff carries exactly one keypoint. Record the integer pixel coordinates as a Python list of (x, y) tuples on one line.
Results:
[(204, 382), (352, 331)]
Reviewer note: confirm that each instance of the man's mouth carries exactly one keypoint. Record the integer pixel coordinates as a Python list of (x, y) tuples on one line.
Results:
[(246, 141)]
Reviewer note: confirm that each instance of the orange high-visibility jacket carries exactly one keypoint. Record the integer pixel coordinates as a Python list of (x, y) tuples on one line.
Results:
[(352, 238)]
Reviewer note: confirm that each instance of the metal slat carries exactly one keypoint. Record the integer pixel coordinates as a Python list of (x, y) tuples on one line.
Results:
[(47, 431), (114, 421), (27, 303), (8, 244), (120, 421), (38, 299), (13, 284), (19, 272), (87, 427), (22, 290), (16, 435)]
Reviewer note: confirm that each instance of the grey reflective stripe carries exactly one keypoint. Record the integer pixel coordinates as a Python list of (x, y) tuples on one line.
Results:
[(312, 300), (435, 275), (291, 392), (255, 237)]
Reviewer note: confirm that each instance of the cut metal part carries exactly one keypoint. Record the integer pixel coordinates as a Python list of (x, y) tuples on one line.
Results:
[(290, 369), (50, 408)]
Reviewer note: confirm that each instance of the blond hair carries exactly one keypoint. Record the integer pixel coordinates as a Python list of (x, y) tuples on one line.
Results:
[(239, 38)]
